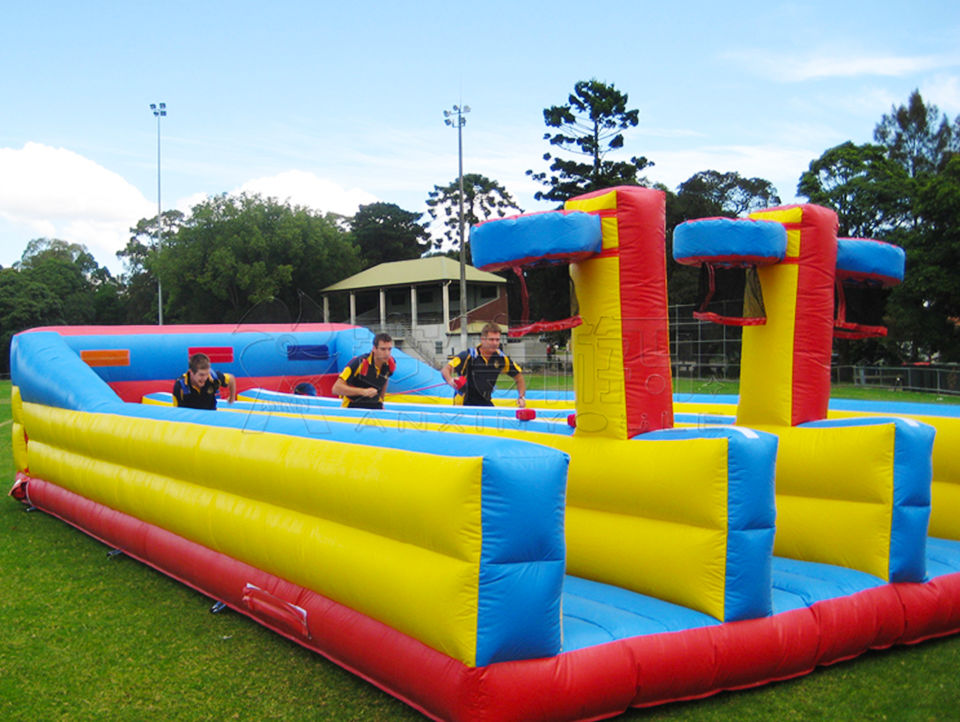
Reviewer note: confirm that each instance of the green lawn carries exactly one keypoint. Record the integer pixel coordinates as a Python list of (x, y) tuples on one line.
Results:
[(87, 636)]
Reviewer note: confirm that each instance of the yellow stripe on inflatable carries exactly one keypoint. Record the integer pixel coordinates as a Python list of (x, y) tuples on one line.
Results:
[(608, 224), (836, 507), (19, 447), (598, 376), (412, 562), (766, 358), (16, 405), (945, 506), (945, 510), (598, 350), (767, 351), (650, 554), (792, 215), (650, 516)]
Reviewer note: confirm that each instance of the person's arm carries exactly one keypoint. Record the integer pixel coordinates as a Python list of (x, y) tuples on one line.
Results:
[(447, 373), (342, 388), (232, 388), (383, 391), (521, 390)]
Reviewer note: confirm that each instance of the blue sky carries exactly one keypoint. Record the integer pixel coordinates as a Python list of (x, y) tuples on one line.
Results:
[(336, 104)]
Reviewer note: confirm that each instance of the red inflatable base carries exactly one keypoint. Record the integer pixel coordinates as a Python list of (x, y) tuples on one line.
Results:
[(590, 683)]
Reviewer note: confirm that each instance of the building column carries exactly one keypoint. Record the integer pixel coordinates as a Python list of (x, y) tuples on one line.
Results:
[(446, 307), (353, 309), (383, 309), (413, 306), (326, 309)]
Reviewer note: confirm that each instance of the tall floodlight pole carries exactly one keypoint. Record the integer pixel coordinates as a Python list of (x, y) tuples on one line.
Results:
[(455, 118), (159, 111)]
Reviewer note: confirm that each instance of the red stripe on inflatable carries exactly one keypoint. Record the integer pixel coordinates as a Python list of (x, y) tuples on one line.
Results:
[(813, 324), (547, 259), (216, 354), (729, 261), (515, 216), (585, 684), (643, 301), (191, 328), (134, 391), (864, 277), (729, 320)]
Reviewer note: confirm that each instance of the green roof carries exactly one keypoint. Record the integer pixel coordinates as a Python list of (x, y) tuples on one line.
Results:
[(434, 269)]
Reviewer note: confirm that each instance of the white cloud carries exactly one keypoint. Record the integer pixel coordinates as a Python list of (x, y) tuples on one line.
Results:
[(781, 66), (55, 192), (306, 189), (844, 66)]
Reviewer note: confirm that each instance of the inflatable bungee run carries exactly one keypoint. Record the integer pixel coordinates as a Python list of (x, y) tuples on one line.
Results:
[(628, 551)]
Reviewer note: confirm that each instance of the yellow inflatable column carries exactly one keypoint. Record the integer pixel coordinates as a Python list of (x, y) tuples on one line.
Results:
[(785, 363), (621, 352)]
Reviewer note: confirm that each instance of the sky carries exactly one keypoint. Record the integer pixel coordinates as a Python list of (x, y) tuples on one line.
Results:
[(333, 105)]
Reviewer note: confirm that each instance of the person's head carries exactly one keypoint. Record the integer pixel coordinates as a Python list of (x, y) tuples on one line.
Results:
[(305, 389), (199, 369), (382, 348), (490, 338)]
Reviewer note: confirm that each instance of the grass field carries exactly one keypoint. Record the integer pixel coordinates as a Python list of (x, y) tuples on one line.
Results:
[(87, 636)]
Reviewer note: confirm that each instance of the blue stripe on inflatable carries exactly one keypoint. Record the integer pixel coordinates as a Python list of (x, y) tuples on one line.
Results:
[(873, 258), (49, 372), (751, 515), (279, 401), (943, 557), (308, 352), (728, 239), (896, 407), (255, 353), (596, 613), (523, 513), (160, 356), (798, 584), (511, 241), (411, 416), (912, 475)]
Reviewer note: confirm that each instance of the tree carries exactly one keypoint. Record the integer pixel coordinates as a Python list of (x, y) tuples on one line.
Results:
[(591, 124), (917, 136), (870, 192), (41, 249), (24, 303), (86, 290), (901, 189), (385, 232), (483, 198), (235, 252), (138, 292), (925, 309), (725, 194)]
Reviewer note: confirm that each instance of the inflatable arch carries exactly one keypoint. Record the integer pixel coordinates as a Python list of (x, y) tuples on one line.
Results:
[(476, 566)]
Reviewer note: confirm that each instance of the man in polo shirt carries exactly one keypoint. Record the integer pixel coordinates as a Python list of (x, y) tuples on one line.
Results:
[(481, 366), (363, 382), (199, 387)]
